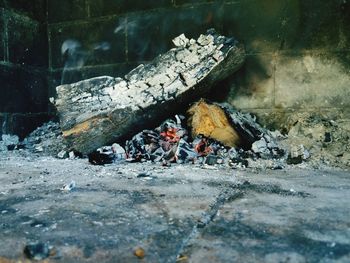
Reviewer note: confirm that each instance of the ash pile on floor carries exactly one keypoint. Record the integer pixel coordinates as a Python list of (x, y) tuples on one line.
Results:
[(46, 140), (326, 137)]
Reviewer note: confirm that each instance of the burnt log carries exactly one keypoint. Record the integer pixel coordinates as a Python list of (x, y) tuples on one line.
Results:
[(103, 110)]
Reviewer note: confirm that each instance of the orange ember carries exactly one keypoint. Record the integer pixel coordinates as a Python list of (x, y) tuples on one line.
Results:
[(170, 135)]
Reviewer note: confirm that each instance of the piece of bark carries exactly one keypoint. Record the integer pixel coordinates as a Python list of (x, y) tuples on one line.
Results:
[(103, 110)]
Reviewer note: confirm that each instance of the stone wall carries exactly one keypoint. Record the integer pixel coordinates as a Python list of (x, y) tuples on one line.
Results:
[(298, 55), (298, 59), (23, 65)]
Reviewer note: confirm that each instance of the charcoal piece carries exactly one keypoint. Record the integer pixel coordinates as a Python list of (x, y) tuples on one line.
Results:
[(143, 146), (232, 153), (246, 126), (239, 162), (100, 158), (253, 136), (157, 155), (184, 152), (107, 155), (37, 251), (294, 160), (103, 110), (260, 146), (62, 154), (158, 144), (211, 159), (327, 137), (19, 146), (11, 147), (297, 154), (201, 146), (144, 174)]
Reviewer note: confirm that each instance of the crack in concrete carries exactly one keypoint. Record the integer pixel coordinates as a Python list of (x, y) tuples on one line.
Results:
[(232, 193), (208, 216)]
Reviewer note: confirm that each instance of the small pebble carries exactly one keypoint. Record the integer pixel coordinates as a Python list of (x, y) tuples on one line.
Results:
[(139, 252)]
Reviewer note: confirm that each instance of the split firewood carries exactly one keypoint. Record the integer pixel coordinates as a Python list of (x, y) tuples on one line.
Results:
[(211, 121), (103, 110), (232, 128)]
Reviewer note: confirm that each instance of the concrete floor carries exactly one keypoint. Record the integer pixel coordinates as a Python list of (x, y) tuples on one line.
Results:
[(182, 213)]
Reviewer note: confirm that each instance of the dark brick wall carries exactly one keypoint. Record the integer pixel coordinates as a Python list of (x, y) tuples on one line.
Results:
[(23, 65)]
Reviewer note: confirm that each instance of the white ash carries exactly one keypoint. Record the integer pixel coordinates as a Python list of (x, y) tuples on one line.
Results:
[(7, 140), (46, 140)]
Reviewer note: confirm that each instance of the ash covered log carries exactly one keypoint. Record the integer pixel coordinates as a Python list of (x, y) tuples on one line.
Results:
[(103, 110)]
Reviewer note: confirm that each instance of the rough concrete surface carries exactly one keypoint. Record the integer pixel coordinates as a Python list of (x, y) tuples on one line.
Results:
[(182, 213)]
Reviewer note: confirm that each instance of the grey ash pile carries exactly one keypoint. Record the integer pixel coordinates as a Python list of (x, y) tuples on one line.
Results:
[(45, 140)]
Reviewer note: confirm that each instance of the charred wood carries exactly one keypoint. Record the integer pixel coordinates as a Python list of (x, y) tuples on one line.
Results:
[(103, 110)]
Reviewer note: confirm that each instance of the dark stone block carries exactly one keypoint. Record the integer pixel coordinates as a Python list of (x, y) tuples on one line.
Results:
[(23, 124), (99, 8), (27, 41), (323, 25), (22, 91), (151, 34), (269, 26), (85, 44), (263, 26), (66, 10), (35, 9)]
